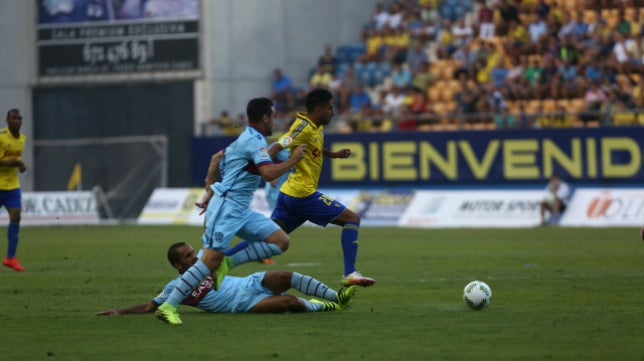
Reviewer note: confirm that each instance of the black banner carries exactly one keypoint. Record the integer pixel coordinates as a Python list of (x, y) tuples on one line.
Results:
[(109, 37), (127, 56)]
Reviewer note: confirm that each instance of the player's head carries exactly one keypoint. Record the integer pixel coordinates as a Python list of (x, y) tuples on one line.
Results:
[(319, 106), (260, 113), (181, 256), (14, 119)]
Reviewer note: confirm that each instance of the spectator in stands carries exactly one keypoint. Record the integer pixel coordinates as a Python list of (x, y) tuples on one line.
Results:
[(623, 25), (508, 11), (486, 21), (503, 119), (401, 77), (538, 30), (462, 32), (394, 102), (282, 91), (594, 99), (327, 60), (396, 16), (638, 93), (542, 9), (423, 79), (320, 79), (416, 56), (359, 101), (380, 17), (555, 201), (227, 126)]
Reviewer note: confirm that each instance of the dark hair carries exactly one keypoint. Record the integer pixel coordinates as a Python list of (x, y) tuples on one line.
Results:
[(316, 98), (257, 108), (173, 255), (12, 110)]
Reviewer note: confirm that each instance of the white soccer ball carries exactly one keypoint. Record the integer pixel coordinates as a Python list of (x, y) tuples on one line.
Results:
[(477, 295)]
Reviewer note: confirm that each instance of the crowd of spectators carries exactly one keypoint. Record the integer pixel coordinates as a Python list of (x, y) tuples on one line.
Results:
[(484, 64)]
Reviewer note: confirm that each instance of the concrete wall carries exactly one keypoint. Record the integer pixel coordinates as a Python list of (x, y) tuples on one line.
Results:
[(245, 40), (17, 69)]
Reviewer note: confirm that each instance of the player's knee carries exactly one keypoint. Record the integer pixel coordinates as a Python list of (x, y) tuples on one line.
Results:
[(281, 239), (293, 304), (351, 217), (284, 278)]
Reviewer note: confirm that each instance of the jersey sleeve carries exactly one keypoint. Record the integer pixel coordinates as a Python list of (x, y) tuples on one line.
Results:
[(297, 135), (258, 152)]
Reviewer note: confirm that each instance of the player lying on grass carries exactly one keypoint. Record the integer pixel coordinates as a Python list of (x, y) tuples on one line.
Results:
[(261, 292)]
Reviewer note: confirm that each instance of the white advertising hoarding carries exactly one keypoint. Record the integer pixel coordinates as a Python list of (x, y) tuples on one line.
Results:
[(57, 208), (480, 208), (602, 207)]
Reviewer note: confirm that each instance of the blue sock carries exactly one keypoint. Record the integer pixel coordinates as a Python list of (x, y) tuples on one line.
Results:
[(12, 236), (312, 287), (188, 282), (256, 251), (350, 246), (241, 245), (310, 306)]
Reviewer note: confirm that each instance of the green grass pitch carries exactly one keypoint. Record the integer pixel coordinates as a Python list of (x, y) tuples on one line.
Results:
[(558, 294)]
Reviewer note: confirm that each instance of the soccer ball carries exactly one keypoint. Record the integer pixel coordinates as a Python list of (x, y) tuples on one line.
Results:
[(477, 295)]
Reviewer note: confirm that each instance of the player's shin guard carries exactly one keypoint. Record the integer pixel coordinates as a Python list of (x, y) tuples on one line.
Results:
[(12, 236), (256, 251), (312, 287), (188, 282), (350, 246)]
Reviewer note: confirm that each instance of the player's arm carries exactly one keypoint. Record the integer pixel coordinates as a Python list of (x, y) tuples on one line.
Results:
[(275, 170), (146, 308), (14, 163), (342, 153), (274, 149), (213, 175)]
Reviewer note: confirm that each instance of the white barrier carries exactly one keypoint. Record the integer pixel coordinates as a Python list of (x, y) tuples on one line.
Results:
[(593, 207), (445, 209), (604, 207), (57, 208)]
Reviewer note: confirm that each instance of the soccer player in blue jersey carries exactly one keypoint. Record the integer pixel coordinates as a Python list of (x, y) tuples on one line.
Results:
[(12, 145), (240, 167), (299, 199), (261, 292)]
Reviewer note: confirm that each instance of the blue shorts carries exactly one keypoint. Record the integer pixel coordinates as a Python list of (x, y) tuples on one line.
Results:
[(11, 199), (318, 208), (225, 219)]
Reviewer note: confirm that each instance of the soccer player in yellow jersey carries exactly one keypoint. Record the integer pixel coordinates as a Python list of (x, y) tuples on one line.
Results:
[(299, 199), (12, 145)]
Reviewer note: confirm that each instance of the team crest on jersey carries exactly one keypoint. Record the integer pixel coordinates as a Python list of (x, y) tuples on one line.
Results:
[(286, 141), (263, 152)]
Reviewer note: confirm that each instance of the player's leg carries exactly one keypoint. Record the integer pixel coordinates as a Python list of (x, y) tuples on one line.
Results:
[(13, 204), (266, 239), (221, 226)]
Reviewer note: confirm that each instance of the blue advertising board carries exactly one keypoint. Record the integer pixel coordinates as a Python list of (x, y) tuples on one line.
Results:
[(598, 155)]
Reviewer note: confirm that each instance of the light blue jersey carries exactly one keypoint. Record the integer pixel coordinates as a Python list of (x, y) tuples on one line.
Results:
[(273, 192), (229, 213), (239, 167), (236, 294)]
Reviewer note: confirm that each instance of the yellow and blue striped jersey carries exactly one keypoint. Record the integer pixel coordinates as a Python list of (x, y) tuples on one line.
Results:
[(10, 148), (303, 181)]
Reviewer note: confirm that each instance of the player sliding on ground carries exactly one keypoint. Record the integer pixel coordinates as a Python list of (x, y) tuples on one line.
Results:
[(261, 292)]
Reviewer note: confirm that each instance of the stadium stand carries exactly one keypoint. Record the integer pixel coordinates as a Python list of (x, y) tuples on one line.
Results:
[(547, 63)]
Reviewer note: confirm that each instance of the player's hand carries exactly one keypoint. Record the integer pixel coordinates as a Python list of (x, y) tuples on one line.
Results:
[(22, 167), (274, 183), (203, 204), (108, 313), (342, 154), (299, 153)]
